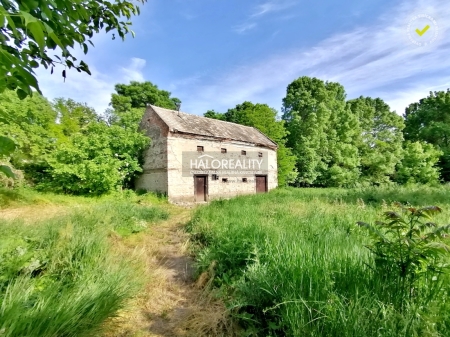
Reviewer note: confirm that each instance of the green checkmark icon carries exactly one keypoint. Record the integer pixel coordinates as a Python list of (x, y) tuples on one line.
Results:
[(423, 31)]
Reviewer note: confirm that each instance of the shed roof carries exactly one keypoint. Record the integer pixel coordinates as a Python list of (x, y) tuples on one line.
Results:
[(197, 125)]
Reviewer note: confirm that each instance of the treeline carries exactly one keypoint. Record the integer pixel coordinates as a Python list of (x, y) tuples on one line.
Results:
[(324, 139), (67, 147), (329, 141)]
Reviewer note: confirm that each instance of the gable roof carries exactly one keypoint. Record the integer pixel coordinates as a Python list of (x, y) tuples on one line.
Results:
[(196, 125)]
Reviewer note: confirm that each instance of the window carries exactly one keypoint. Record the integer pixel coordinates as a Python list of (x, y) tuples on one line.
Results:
[(223, 150), (260, 154), (215, 177), (243, 152), (224, 180), (244, 180), (199, 148)]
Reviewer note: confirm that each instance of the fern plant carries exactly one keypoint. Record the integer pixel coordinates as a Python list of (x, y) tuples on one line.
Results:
[(410, 255)]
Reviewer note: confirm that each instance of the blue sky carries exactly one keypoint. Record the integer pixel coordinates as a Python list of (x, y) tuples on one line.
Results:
[(214, 54)]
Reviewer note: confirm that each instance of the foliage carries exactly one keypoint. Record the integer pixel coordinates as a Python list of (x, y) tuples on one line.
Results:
[(380, 139), (31, 30), (30, 123), (264, 118), (139, 94), (410, 255), (321, 132), (7, 147), (418, 164), (97, 160), (73, 116), (66, 147), (429, 121), (61, 276), (214, 114), (290, 263)]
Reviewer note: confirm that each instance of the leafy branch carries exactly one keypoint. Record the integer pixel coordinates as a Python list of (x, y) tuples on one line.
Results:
[(410, 252)]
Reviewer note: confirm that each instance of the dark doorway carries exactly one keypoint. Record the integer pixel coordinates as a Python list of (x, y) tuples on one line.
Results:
[(200, 188), (261, 184)]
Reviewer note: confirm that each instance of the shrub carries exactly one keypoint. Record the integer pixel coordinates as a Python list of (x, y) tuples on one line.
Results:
[(409, 254)]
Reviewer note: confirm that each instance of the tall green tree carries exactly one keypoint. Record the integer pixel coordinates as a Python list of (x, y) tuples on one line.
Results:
[(379, 139), (139, 94), (264, 118), (321, 130), (418, 164), (45, 32), (429, 121)]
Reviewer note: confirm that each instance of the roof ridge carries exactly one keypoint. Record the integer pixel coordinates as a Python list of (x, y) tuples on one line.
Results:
[(214, 119)]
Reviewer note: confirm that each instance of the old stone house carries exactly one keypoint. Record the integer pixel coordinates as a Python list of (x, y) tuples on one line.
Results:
[(197, 159)]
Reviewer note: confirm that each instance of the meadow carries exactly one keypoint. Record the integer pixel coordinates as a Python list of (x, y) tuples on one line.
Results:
[(63, 273), (294, 262)]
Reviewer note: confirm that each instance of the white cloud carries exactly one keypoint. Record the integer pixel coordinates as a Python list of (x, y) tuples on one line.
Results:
[(240, 29), (271, 6), (133, 72), (261, 10), (95, 90), (366, 61)]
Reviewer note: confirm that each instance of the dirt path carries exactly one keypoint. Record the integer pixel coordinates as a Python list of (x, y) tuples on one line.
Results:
[(172, 304)]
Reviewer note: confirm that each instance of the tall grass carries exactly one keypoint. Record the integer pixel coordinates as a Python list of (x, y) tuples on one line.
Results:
[(63, 277), (293, 263)]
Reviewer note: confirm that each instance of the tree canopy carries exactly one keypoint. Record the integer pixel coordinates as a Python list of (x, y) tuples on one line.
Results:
[(139, 94), (322, 131), (379, 140), (339, 142), (44, 33), (429, 121)]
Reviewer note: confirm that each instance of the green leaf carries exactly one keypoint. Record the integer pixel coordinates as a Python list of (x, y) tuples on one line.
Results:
[(38, 33), (7, 146), (12, 26), (28, 17), (21, 93), (7, 171)]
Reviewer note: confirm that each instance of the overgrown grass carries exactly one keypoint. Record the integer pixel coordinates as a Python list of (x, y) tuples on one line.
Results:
[(23, 196), (294, 263), (62, 276)]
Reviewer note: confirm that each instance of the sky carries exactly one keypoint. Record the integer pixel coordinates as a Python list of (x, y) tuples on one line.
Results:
[(214, 54)]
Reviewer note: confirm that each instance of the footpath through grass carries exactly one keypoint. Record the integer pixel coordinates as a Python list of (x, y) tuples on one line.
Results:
[(62, 276), (294, 263)]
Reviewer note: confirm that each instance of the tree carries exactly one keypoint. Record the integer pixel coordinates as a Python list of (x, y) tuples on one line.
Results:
[(321, 132), (264, 118), (73, 116), (418, 164), (98, 159), (380, 139), (139, 94), (32, 30), (30, 124), (429, 121), (214, 115)]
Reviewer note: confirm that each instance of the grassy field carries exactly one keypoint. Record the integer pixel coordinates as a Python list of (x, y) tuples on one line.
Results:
[(61, 273), (294, 263)]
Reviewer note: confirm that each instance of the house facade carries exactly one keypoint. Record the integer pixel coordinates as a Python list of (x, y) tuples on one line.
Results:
[(198, 159)]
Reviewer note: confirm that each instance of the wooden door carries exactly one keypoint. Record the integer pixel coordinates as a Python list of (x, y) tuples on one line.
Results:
[(261, 184), (200, 187)]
